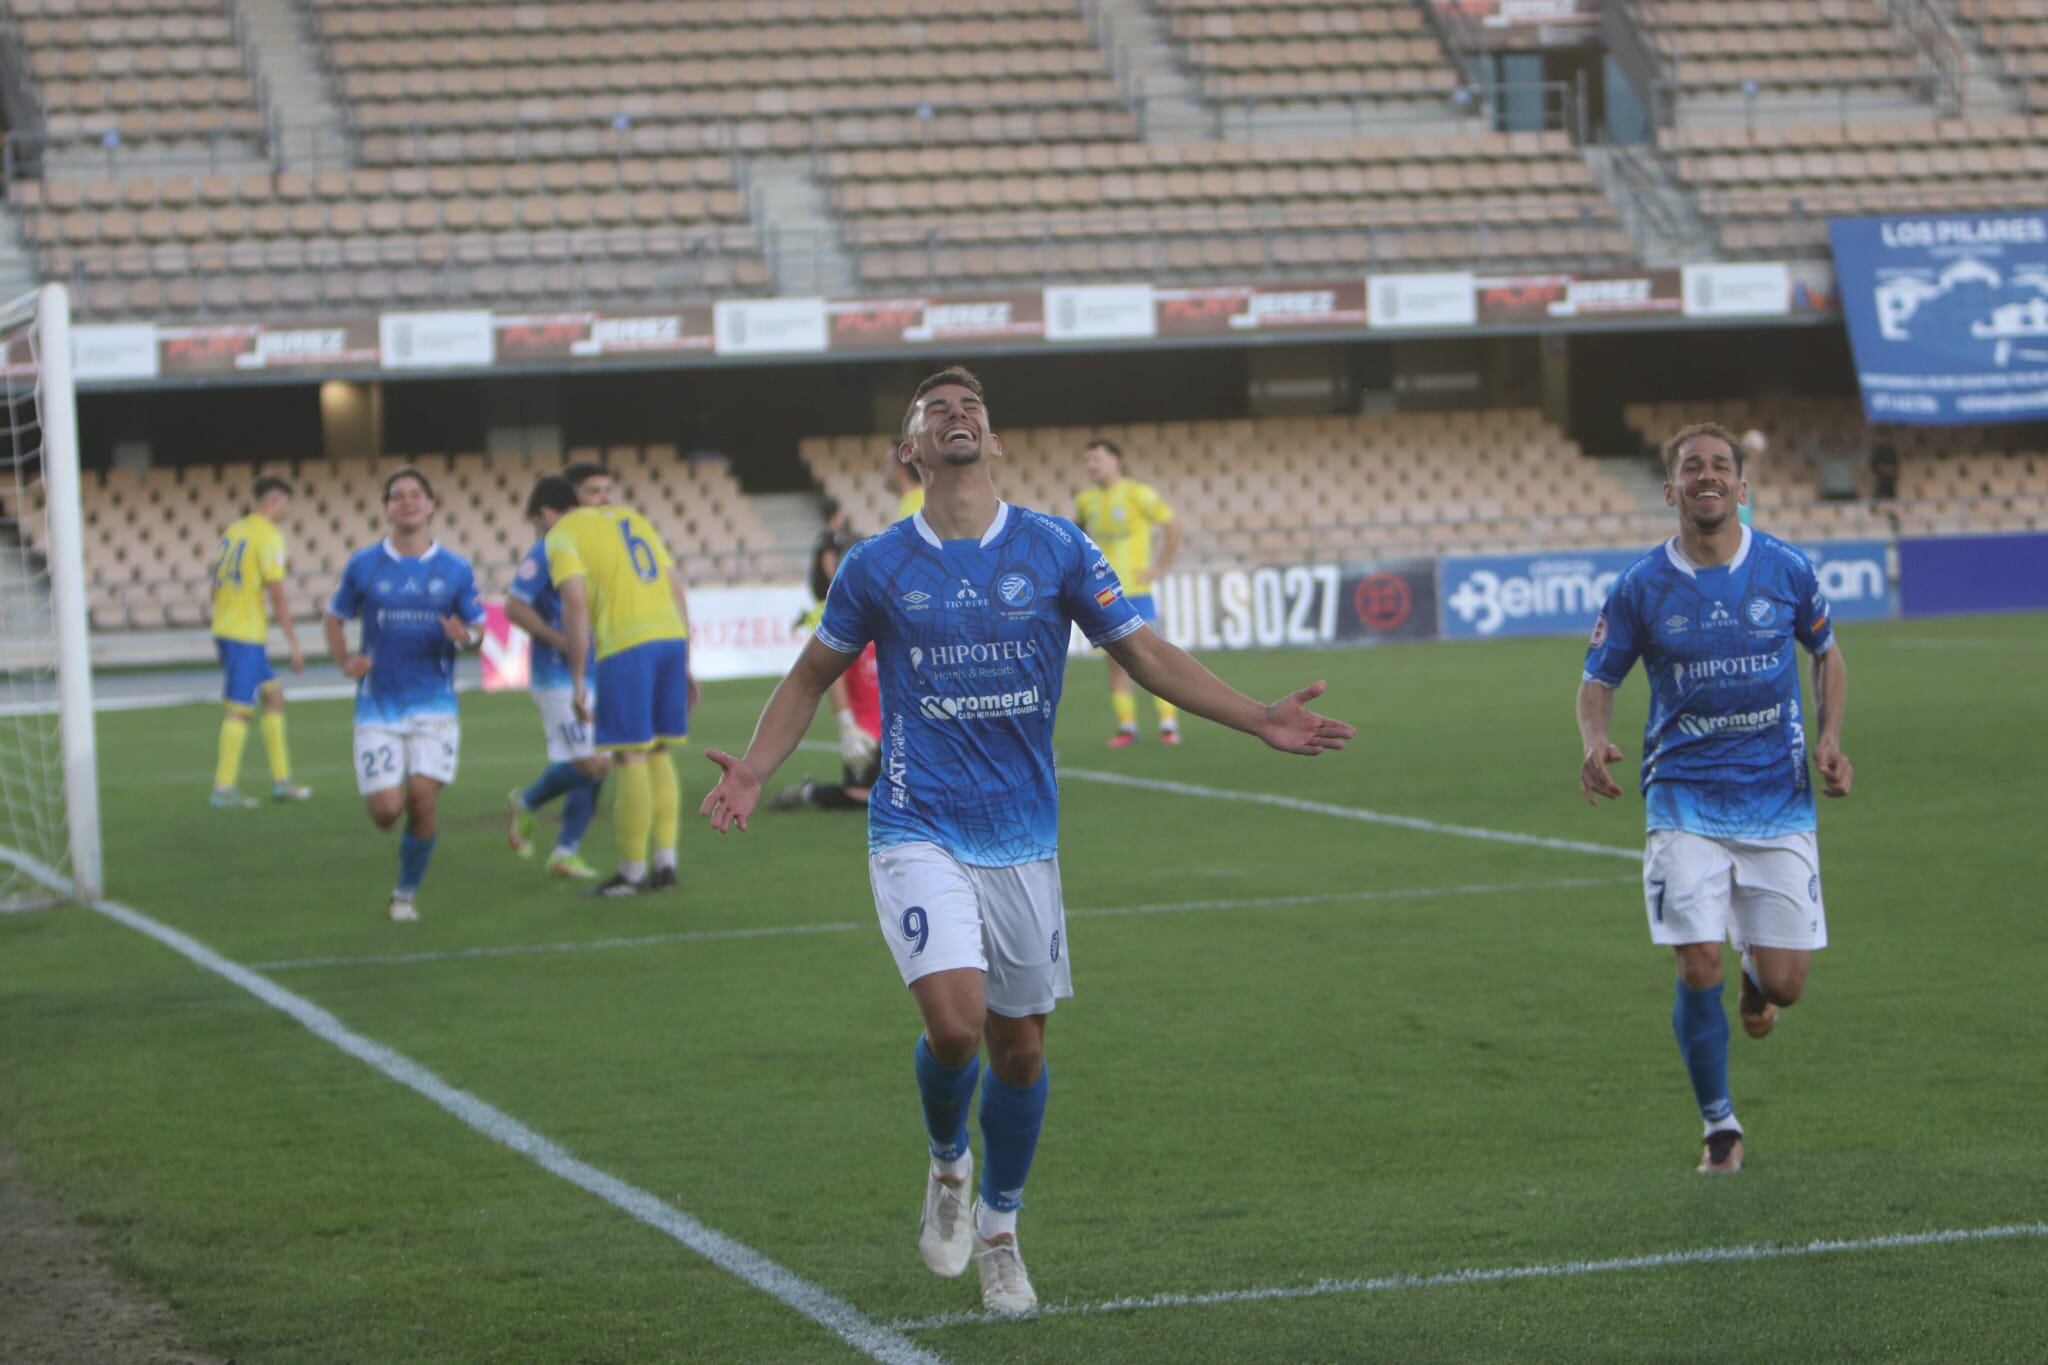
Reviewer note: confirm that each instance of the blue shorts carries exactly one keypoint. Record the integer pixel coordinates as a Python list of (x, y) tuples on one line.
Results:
[(643, 695), (247, 669), (1147, 609)]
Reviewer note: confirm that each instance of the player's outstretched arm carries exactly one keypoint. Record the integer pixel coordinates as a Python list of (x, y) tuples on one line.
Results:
[(781, 728), (1166, 670), (1831, 701), (1596, 713)]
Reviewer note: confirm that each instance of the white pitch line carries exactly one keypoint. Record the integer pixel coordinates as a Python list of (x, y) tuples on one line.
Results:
[(1767, 1251), (788, 930), (834, 1314), (1370, 817)]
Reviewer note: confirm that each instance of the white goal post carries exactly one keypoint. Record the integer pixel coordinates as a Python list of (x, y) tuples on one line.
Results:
[(49, 779)]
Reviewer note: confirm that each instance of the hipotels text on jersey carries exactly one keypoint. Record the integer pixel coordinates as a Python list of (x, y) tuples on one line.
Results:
[(1740, 666)]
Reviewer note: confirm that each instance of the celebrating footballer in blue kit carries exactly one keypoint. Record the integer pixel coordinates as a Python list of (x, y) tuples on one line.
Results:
[(969, 604), (418, 605), (576, 770), (1714, 614)]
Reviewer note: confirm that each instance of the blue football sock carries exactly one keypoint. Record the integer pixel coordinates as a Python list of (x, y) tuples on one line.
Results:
[(1010, 1120), (554, 779), (577, 809), (1702, 1029), (946, 1091), (412, 861)]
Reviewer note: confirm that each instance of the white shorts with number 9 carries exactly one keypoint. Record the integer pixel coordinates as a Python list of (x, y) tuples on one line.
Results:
[(569, 739), (939, 914), (416, 746), (1762, 893)]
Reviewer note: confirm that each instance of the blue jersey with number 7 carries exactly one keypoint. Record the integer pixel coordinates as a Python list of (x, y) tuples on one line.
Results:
[(625, 569)]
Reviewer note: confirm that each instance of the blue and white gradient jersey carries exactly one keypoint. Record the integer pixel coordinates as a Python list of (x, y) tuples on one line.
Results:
[(547, 669), (1724, 752), (971, 644), (401, 601)]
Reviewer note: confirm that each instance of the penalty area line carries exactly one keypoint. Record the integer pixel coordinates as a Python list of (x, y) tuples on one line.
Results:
[(1359, 813), (1765, 1251), (794, 930), (828, 1311)]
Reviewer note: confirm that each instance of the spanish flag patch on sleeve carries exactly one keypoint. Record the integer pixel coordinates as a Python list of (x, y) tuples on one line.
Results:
[(1107, 596)]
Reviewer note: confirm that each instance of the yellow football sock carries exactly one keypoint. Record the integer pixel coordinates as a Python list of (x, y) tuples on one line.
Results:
[(1168, 715), (272, 726), (668, 800), (1126, 708), (635, 811), (234, 733)]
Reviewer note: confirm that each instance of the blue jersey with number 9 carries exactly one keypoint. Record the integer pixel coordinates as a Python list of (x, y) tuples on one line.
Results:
[(625, 568)]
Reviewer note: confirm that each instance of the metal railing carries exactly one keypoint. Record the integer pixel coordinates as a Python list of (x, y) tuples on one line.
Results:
[(1936, 46)]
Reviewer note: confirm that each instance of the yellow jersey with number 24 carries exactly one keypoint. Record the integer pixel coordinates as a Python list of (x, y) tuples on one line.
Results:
[(625, 569), (251, 556)]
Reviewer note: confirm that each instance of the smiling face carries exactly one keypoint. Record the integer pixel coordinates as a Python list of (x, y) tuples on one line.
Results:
[(408, 505), (1704, 482), (949, 427)]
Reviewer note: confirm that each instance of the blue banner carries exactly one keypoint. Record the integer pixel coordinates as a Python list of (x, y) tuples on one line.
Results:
[(1946, 575), (1483, 597), (1947, 315)]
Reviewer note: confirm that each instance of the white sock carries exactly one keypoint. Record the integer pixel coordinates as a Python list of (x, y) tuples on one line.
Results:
[(1727, 1125), (564, 852), (633, 872), (959, 1168), (990, 1224), (664, 860)]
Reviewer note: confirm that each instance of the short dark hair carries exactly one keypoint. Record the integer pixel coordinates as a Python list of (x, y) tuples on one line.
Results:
[(952, 374), (268, 484), (409, 472), (580, 472), (552, 493), (1687, 433), (1111, 446)]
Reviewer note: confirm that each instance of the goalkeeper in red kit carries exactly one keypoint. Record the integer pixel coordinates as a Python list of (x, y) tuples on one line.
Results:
[(856, 697)]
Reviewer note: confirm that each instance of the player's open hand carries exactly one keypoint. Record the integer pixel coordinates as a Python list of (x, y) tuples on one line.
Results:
[(1294, 729), (734, 798), (1594, 779), (1836, 771), (356, 666), (298, 658)]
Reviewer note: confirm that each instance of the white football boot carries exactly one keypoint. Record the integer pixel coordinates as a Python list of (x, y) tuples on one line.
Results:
[(1005, 1284), (945, 1235), (402, 911)]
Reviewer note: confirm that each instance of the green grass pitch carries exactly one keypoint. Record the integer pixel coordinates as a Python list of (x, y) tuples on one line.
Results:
[(1444, 1054)]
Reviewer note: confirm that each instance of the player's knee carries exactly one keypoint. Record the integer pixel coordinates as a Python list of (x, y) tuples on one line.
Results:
[(1017, 1060), (953, 1042), (1783, 987), (273, 698), (386, 808), (595, 767), (1699, 965)]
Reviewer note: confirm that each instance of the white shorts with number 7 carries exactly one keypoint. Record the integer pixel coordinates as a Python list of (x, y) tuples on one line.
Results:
[(415, 746)]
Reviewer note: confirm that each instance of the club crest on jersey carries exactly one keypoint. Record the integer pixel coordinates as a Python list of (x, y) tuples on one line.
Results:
[(1759, 610), (528, 569), (435, 586), (1016, 590)]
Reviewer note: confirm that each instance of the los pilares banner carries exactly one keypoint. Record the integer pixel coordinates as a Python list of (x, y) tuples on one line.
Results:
[(1947, 315)]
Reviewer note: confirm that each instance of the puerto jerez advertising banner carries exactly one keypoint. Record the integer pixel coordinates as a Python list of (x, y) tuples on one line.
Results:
[(1947, 315), (243, 347), (929, 320), (1511, 300), (528, 338), (1482, 597), (1217, 309)]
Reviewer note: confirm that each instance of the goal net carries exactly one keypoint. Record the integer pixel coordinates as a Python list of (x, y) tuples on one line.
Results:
[(49, 793)]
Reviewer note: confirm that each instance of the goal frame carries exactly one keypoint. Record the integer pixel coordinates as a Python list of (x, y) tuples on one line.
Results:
[(48, 309)]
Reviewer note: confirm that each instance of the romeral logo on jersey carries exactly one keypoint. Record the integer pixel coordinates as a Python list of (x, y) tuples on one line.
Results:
[(987, 706), (1734, 723)]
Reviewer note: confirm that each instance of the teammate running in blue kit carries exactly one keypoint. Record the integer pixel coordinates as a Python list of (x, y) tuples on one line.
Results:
[(1714, 613), (418, 605), (969, 604)]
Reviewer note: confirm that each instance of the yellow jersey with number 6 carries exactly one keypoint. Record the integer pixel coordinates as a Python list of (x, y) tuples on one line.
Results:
[(625, 569), (251, 556)]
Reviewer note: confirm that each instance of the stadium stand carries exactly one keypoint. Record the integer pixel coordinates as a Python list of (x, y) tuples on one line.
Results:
[(1293, 51), (1408, 483), (1774, 197), (1715, 47), (1188, 209), (151, 532), (2014, 34), (163, 70), (1952, 480), (437, 82)]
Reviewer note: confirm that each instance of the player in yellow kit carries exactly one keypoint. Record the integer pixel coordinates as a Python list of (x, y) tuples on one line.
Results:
[(617, 583), (903, 482), (1119, 514), (248, 570)]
